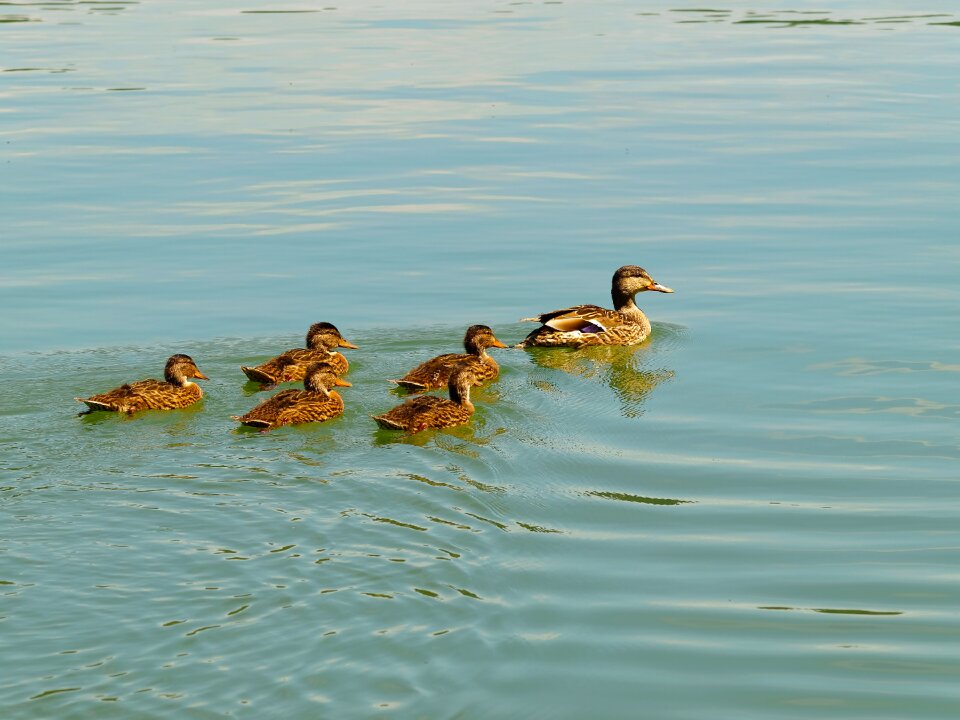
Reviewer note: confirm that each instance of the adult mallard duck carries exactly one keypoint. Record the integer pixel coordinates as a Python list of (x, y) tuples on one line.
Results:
[(175, 391), (593, 325), (322, 339), (430, 411), (315, 403), (436, 372)]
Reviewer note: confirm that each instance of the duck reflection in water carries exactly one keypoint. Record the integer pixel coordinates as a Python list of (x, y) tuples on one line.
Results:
[(620, 367)]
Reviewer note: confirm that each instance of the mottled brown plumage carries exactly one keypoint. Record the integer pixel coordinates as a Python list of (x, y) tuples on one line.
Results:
[(436, 372), (175, 391), (593, 325), (430, 411), (291, 365), (315, 403)]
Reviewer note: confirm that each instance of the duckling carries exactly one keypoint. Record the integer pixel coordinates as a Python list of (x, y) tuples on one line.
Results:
[(315, 403), (175, 391), (593, 325), (429, 411), (435, 373), (291, 365)]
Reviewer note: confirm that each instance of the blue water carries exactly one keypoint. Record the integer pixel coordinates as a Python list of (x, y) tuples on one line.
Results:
[(752, 515)]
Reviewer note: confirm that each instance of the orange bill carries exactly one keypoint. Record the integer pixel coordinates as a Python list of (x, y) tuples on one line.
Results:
[(342, 383)]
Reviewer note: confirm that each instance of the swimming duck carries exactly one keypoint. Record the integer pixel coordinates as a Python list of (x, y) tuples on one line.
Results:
[(291, 365), (436, 372), (429, 411), (315, 403), (593, 325), (175, 391)]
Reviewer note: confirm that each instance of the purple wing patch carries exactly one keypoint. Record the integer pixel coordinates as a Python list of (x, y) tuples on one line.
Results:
[(575, 324)]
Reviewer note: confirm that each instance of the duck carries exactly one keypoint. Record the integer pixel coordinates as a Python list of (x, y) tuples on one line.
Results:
[(429, 411), (583, 325), (175, 391), (322, 338), (315, 403), (435, 373)]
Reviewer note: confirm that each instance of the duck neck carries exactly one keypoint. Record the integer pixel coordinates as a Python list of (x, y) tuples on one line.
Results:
[(316, 384), (317, 388), (320, 344), (175, 376), (473, 347), (623, 302), (461, 396)]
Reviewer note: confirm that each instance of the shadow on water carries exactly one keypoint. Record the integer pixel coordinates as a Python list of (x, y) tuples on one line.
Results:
[(800, 18), (682, 16), (251, 388), (630, 497), (835, 611), (60, 6)]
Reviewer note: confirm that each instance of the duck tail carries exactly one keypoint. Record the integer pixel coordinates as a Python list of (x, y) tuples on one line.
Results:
[(410, 384), (95, 404), (252, 422), (258, 375), (385, 422)]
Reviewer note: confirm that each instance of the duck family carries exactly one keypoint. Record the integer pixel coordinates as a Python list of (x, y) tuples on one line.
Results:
[(320, 366)]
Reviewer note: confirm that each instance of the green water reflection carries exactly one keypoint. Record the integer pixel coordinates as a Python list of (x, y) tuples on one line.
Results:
[(619, 368)]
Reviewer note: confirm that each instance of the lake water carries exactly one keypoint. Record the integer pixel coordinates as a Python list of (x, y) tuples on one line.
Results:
[(752, 516)]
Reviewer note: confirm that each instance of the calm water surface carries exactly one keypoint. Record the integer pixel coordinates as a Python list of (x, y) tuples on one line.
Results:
[(752, 516)]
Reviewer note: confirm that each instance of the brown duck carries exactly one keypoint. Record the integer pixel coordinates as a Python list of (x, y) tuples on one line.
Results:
[(315, 403), (175, 391), (436, 372), (593, 325), (430, 411), (322, 339)]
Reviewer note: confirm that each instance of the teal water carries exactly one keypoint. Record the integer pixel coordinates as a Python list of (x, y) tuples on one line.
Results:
[(751, 516)]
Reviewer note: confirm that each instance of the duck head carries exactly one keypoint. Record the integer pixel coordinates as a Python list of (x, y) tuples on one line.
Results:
[(326, 335), (180, 369), (479, 338), (630, 280), (320, 377)]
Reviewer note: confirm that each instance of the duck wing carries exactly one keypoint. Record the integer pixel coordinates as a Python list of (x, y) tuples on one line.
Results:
[(302, 357), (582, 318), (292, 365), (267, 413), (281, 368), (433, 373), (412, 412), (312, 407), (130, 396)]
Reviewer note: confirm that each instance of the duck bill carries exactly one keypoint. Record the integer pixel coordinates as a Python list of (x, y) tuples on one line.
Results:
[(660, 288), (497, 343), (200, 376), (344, 344), (340, 382)]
